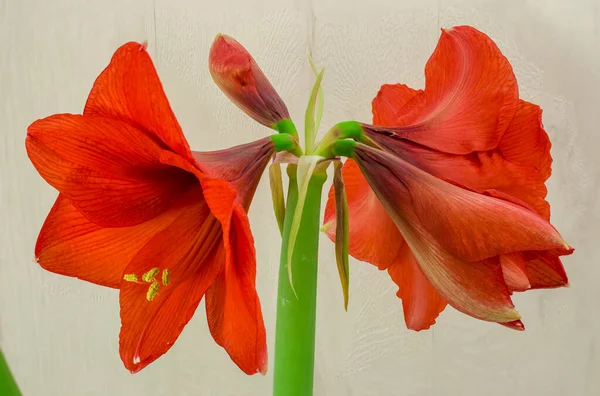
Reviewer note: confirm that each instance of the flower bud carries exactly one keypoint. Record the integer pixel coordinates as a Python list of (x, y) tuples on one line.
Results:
[(236, 73)]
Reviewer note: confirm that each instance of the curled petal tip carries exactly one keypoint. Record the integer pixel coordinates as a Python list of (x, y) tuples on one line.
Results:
[(263, 370), (513, 316), (144, 45), (515, 325)]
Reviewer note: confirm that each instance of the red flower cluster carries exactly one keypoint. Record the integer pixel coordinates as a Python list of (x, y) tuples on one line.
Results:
[(452, 201), (140, 212), (446, 192)]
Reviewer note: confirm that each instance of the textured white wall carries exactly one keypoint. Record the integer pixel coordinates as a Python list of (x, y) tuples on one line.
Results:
[(60, 334)]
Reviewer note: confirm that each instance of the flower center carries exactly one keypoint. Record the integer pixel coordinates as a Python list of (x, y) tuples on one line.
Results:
[(150, 277)]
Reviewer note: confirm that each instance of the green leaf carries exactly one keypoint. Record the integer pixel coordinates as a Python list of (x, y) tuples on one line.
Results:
[(306, 167), (320, 97), (276, 182), (310, 128), (341, 230), (8, 386)]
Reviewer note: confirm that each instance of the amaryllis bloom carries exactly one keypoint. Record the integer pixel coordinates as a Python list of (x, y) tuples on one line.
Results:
[(457, 211), (239, 77), (140, 212)]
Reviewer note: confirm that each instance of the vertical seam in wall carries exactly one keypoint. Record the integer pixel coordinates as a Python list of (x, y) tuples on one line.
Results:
[(155, 32), (439, 8)]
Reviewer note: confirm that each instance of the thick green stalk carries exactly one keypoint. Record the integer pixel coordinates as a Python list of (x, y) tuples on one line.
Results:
[(8, 386), (296, 316)]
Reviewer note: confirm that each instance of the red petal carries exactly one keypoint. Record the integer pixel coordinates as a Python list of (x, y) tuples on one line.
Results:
[(447, 228), (108, 170), (233, 307), (188, 250), (129, 90), (515, 325), (373, 236), (470, 96), (475, 288), (459, 218), (71, 245), (545, 270), (387, 105), (242, 166), (525, 141), (482, 171), (515, 272), (420, 301)]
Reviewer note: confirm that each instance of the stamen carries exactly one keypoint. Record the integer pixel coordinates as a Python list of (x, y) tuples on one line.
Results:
[(166, 277), (149, 276), (130, 277), (152, 291)]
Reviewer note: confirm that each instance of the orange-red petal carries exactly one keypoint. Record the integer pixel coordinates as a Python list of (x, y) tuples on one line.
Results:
[(545, 270), (232, 305), (373, 236), (448, 230), (109, 170), (475, 288), (514, 325), (129, 90), (241, 165), (525, 142), (71, 245), (481, 171), (515, 271), (456, 216), (421, 303), (470, 96), (187, 249), (387, 105)]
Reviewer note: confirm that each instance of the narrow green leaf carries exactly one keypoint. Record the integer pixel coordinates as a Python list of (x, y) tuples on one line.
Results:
[(306, 167), (276, 182), (309, 117), (341, 230), (320, 97)]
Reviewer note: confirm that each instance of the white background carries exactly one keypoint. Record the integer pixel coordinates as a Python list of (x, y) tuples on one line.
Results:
[(60, 335)]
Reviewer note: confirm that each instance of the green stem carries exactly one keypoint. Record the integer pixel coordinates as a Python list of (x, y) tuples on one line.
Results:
[(8, 386), (296, 317)]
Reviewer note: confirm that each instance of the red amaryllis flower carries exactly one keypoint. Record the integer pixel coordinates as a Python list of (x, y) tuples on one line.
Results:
[(239, 77), (469, 128), (457, 236), (139, 211)]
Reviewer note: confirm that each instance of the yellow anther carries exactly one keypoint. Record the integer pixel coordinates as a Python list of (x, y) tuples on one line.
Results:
[(152, 291), (165, 277), (149, 276), (130, 277)]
